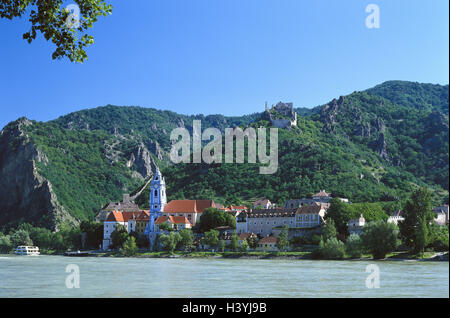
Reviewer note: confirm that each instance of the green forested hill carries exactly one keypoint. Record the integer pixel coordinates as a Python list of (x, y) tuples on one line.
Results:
[(375, 145)]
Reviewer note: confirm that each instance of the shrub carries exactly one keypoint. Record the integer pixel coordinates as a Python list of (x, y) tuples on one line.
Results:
[(354, 246), (333, 249), (129, 248), (380, 238)]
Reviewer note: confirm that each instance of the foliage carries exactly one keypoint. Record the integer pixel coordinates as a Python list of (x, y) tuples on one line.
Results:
[(186, 238), (212, 218), (211, 238), (129, 247), (414, 230), (354, 246), (5, 244), (332, 249), (379, 238), (21, 237), (221, 246), (234, 245), (253, 241), (439, 237), (57, 24), (94, 233), (119, 236), (282, 239), (340, 213), (244, 246), (169, 242), (329, 230)]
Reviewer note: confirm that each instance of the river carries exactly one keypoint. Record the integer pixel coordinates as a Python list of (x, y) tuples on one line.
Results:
[(45, 276)]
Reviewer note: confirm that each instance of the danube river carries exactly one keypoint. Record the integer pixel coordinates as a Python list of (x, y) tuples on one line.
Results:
[(46, 276)]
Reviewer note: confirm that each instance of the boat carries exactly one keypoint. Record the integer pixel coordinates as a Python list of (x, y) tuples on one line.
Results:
[(27, 250)]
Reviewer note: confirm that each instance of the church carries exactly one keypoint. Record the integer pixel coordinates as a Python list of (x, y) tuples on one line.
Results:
[(177, 213)]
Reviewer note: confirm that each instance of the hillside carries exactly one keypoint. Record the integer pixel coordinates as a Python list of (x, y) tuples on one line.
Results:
[(374, 145)]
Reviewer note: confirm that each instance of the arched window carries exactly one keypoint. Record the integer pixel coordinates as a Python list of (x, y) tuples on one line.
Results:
[(156, 193)]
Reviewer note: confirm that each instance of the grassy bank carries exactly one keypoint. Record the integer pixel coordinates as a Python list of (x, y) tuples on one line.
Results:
[(397, 256)]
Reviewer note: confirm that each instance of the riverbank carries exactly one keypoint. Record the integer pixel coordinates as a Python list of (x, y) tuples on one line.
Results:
[(395, 256)]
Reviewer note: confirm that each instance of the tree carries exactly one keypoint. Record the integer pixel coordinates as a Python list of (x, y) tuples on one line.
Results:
[(329, 230), (253, 241), (169, 242), (165, 227), (414, 230), (234, 242), (5, 243), (65, 27), (119, 236), (340, 213), (21, 237), (332, 249), (282, 239), (94, 233), (212, 238), (129, 247), (221, 246), (379, 238), (212, 218), (186, 238), (354, 246), (244, 246), (142, 241)]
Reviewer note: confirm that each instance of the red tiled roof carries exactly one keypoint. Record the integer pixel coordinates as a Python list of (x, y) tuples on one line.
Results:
[(309, 209), (322, 194), (172, 219), (119, 216), (188, 206), (268, 240), (238, 207), (245, 236), (261, 202)]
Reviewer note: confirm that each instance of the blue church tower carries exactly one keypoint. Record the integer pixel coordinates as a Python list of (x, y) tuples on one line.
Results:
[(157, 202)]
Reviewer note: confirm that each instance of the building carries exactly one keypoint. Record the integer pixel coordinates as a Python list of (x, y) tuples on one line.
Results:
[(268, 243), (246, 237), (140, 222), (263, 204), (395, 217), (355, 226), (320, 197), (126, 205), (262, 221), (177, 223), (282, 115), (115, 218), (157, 201), (441, 214), (310, 216), (191, 209)]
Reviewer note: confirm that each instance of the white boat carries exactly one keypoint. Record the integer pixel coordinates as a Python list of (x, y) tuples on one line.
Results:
[(27, 250)]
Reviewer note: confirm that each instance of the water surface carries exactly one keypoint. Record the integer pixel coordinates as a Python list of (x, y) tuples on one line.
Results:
[(45, 276)]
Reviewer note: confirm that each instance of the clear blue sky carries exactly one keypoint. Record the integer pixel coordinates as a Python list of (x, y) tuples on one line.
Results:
[(225, 56)]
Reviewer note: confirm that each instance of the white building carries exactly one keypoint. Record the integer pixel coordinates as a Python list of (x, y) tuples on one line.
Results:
[(355, 226), (396, 216)]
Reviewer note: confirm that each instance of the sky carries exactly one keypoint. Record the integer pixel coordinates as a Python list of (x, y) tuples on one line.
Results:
[(225, 56)]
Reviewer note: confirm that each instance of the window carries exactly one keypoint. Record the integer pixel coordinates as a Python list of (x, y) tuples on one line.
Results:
[(156, 193)]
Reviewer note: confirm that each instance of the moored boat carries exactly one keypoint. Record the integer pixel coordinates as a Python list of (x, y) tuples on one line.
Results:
[(27, 250)]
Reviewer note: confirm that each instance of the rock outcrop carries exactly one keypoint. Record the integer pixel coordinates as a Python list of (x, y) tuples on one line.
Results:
[(26, 195)]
